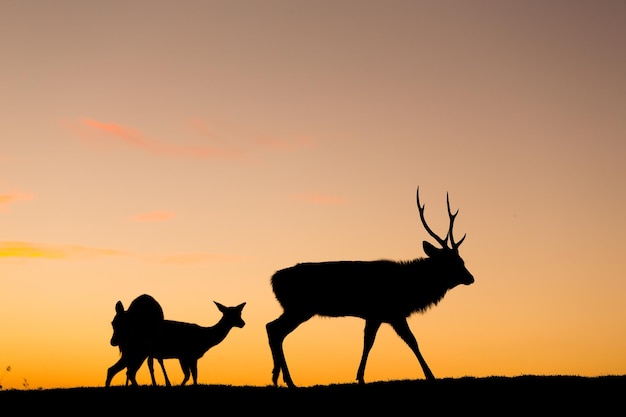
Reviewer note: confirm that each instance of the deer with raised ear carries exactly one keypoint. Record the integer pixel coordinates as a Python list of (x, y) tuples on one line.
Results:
[(188, 342), (381, 291)]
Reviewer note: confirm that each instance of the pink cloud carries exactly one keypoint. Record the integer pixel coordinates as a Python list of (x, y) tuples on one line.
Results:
[(318, 199), (154, 216), (88, 129)]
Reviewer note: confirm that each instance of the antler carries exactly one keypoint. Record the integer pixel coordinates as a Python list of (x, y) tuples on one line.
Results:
[(442, 242), (452, 217)]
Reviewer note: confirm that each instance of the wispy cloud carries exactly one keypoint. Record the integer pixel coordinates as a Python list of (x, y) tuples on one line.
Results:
[(92, 131), (31, 250), (12, 249), (226, 140), (154, 216), (319, 199), (13, 197)]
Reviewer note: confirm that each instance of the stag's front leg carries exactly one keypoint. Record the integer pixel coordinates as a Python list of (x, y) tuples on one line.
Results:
[(402, 329), (371, 328)]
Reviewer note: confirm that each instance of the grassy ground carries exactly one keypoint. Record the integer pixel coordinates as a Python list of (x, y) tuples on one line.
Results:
[(536, 395)]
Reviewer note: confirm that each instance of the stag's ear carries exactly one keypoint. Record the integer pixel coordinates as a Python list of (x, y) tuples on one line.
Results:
[(119, 308), (240, 306), (430, 250), (219, 306)]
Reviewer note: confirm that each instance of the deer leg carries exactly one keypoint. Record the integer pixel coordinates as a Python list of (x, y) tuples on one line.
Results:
[(151, 368), (402, 329), (167, 380), (186, 370), (277, 330), (371, 328), (132, 366), (113, 370), (194, 371)]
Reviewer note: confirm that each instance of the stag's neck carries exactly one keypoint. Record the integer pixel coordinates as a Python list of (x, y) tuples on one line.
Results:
[(430, 287)]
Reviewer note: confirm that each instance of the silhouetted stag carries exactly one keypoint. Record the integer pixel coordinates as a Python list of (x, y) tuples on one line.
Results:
[(380, 291), (134, 332), (189, 342)]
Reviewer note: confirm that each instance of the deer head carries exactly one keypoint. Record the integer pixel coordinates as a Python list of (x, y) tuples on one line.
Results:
[(448, 255)]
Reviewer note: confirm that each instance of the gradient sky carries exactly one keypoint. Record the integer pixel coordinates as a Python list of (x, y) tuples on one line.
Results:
[(189, 149)]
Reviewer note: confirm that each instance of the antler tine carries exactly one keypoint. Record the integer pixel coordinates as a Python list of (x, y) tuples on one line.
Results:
[(420, 207), (452, 217)]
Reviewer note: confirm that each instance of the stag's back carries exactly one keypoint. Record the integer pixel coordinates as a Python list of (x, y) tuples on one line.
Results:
[(383, 289)]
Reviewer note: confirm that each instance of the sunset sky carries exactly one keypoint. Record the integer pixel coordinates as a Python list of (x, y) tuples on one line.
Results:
[(190, 149)]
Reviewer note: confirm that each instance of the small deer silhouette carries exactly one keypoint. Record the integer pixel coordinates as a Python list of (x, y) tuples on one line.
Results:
[(188, 342), (378, 291), (134, 332)]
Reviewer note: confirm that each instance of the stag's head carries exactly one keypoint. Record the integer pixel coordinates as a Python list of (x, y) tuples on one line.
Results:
[(449, 262)]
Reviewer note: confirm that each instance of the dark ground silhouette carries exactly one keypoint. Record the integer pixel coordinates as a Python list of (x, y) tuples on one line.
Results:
[(534, 395)]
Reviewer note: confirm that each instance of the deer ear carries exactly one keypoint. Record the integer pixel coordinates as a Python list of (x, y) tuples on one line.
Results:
[(119, 308), (430, 250), (219, 306), (240, 306)]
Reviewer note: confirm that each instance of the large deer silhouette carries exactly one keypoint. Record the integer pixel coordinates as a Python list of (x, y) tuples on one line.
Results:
[(188, 342), (380, 291), (135, 331)]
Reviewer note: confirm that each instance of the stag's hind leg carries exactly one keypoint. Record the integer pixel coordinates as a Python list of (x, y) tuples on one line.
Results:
[(277, 330), (402, 329)]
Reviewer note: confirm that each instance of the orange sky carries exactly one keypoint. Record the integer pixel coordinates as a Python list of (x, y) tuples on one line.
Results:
[(189, 149)]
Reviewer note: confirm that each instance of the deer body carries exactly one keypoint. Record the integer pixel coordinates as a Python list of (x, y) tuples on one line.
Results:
[(381, 289), (378, 291), (188, 342), (134, 332)]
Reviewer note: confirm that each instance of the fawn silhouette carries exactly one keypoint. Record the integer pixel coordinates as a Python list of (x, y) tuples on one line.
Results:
[(380, 291), (134, 332), (188, 342)]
